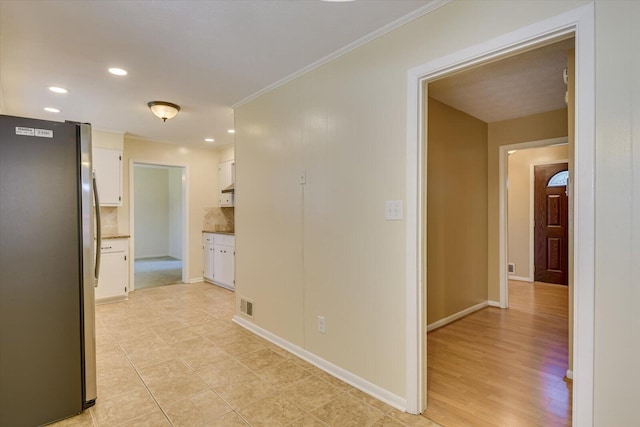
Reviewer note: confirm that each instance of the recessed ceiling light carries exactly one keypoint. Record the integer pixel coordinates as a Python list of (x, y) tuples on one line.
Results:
[(51, 110), (118, 71), (57, 89), (209, 139), (231, 131)]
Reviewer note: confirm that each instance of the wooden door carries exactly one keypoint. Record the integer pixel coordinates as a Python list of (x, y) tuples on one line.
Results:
[(551, 223)]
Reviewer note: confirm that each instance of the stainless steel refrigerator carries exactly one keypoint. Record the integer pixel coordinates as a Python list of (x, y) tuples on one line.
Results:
[(47, 271)]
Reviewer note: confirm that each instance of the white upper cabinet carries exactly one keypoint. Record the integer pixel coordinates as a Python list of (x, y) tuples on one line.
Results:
[(108, 167), (226, 177)]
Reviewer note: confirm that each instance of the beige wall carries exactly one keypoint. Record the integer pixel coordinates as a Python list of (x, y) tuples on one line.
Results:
[(201, 191), (227, 153), (519, 202), (324, 248), (532, 128), (105, 139), (456, 211), (617, 233)]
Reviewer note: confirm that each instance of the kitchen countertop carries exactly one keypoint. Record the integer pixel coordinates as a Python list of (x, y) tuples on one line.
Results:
[(229, 233)]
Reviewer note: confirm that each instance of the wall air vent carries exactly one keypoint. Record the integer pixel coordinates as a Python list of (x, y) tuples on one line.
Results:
[(246, 307), (512, 268)]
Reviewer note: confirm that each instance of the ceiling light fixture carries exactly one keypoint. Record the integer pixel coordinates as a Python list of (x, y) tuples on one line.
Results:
[(231, 131), (164, 110), (209, 139), (51, 109), (118, 71), (58, 89)]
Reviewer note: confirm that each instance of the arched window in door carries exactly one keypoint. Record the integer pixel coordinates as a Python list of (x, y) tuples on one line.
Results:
[(559, 179)]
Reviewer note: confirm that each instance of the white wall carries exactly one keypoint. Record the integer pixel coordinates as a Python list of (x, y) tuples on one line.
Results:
[(617, 188), (175, 212), (324, 248), (151, 213)]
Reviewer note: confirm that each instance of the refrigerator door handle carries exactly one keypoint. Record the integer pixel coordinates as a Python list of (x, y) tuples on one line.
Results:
[(96, 200)]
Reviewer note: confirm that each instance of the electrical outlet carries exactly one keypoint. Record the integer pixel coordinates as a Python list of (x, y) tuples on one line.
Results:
[(321, 325), (393, 210)]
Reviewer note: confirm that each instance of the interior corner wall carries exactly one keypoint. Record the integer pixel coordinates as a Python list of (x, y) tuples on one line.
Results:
[(324, 247), (536, 127), (201, 190), (456, 211), (151, 213), (519, 202)]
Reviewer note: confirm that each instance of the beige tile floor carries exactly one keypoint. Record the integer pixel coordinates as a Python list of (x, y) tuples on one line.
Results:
[(170, 355)]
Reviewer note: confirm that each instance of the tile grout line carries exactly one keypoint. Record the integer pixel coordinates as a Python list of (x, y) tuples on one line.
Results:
[(145, 386)]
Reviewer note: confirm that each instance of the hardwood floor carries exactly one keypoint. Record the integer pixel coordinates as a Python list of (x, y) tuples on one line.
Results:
[(503, 367)]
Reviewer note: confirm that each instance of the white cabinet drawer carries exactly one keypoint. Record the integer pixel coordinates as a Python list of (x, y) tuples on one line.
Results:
[(114, 245), (224, 239)]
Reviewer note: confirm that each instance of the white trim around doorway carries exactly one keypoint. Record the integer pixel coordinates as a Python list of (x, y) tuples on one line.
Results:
[(578, 22), (503, 234), (185, 212)]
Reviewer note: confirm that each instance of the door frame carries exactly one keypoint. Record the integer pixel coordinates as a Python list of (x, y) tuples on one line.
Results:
[(503, 230), (185, 214), (580, 23)]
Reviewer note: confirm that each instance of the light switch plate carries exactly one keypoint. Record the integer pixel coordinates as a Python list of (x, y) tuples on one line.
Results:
[(393, 210)]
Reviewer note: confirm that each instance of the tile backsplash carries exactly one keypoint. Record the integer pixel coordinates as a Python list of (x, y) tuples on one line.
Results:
[(219, 219), (109, 219)]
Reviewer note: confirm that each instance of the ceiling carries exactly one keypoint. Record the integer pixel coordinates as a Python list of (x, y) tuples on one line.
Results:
[(203, 55), (529, 83)]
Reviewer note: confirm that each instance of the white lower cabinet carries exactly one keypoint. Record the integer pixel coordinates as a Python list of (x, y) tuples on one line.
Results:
[(219, 259), (207, 255), (113, 282)]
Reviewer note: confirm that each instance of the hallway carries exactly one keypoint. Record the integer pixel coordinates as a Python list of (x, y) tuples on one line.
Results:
[(503, 367)]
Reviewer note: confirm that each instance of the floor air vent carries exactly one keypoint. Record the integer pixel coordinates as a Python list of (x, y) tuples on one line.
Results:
[(246, 307)]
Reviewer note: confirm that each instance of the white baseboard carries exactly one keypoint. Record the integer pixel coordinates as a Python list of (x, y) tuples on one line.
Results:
[(350, 378), (521, 279), (493, 303), (569, 374), (450, 319), (196, 279), (109, 300)]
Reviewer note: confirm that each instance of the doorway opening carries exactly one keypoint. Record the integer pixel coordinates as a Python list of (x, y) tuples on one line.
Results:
[(469, 115), (158, 213), (577, 23)]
